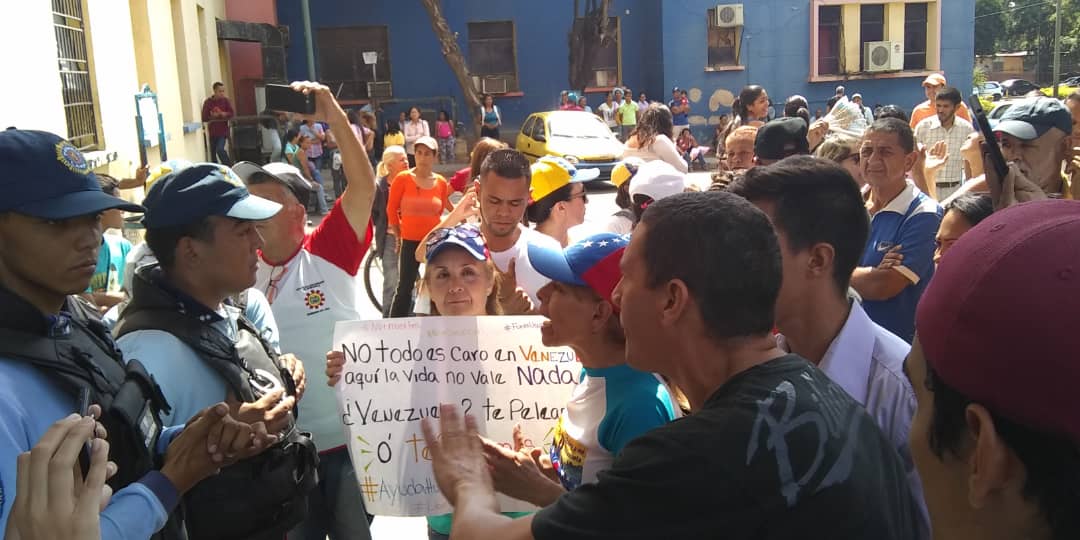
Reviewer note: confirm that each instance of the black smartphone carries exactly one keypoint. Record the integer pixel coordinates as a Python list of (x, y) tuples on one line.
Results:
[(83, 408), (990, 144), (280, 97)]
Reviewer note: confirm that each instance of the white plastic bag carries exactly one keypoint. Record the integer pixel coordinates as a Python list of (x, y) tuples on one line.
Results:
[(847, 118)]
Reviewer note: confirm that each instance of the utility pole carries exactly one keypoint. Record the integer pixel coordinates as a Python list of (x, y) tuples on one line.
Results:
[(1057, 48), (305, 12)]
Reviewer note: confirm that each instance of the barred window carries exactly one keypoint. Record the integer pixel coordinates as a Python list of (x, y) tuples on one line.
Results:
[(341, 61), (492, 59), (75, 75), (607, 63)]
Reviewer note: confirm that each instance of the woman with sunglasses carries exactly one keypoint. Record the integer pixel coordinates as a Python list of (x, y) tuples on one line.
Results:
[(559, 198), (460, 280)]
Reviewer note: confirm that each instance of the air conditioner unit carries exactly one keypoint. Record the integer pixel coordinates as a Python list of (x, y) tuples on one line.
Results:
[(729, 15), (380, 90), (495, 85), (883, 56)]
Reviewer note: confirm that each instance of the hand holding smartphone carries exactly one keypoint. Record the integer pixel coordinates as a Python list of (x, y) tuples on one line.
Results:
[(281, 97), (83, 409)]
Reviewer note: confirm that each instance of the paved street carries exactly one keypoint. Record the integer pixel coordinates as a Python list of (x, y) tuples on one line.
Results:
[(601, 205)]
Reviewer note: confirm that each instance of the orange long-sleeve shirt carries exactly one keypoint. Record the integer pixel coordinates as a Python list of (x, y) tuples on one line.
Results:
[(926, 109), (415, 210)]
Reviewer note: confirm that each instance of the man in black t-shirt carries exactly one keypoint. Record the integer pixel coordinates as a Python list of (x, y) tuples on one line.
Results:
[(773, 449)]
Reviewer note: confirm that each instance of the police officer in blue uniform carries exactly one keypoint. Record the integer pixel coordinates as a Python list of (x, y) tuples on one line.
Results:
[(56, 356)]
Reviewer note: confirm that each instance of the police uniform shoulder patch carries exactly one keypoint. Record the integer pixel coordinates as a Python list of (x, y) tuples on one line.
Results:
[(72, 158)]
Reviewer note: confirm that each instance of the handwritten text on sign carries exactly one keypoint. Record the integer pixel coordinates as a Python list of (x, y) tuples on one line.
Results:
[(398, 371)]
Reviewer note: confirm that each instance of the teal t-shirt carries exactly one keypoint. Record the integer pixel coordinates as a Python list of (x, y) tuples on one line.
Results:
[(109, 273)]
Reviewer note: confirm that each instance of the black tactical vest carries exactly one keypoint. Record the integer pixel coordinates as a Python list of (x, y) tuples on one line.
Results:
[(78, 352), (261, 497)]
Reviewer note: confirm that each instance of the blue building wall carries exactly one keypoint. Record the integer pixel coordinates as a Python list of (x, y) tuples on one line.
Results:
[(776, 55), (418, 69), (663, 45)]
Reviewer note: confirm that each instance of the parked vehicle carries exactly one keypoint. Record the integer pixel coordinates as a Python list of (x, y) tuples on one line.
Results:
[(581, 138), (1018, 87), (990, 89), (994, 116), (1065, 87)]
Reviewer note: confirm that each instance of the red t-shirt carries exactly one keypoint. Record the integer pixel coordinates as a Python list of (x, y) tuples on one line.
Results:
[(217, 127)]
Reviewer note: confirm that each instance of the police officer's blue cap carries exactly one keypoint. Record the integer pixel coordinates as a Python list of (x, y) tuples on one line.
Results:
[(44, 176), (202, 190)]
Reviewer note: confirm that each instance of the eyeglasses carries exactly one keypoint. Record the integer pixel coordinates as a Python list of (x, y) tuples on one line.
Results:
[(583, 196), (271, 289), (463, 232)]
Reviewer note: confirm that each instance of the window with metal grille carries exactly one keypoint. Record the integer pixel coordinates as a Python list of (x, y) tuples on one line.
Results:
[(915, 27), (492, 60), (605, 65), (341, 61), (871, 27), (75, 73), (723, 42)]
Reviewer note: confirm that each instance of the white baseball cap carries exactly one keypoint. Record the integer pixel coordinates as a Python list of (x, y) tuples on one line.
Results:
[(657, 180)]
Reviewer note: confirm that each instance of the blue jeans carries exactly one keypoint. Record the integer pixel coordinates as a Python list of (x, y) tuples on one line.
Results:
[(389, 259), (700, 160), (218, 151), (320, 192), (432, 534), (335, 506)]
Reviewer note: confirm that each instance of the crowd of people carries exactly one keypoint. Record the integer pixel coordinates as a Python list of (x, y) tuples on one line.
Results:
[(835, 339)]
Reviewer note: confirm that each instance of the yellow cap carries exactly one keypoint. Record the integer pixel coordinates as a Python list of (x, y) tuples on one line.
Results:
[(550, 173), (625, 170), (163, 169)]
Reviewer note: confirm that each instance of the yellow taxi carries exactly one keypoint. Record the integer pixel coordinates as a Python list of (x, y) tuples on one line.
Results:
[(1065, 88), (579, 137)]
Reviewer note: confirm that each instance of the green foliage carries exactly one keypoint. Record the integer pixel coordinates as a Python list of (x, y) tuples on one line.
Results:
[(1029, 26), (989, 23), (978, 77)]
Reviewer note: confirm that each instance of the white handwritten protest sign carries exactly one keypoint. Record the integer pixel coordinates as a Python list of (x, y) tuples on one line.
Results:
[(398, 371)]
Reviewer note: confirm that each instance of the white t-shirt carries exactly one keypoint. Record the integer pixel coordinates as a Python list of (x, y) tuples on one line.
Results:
[(527, 277), (661, 149), (316, 288), (608, 112)]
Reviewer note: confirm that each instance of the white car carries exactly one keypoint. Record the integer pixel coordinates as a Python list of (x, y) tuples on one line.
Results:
[(990, 89)]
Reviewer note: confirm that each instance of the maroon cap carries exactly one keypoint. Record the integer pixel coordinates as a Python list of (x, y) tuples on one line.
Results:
[(998, 322)]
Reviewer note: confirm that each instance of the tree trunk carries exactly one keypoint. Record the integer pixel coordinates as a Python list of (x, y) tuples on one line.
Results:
[(586, 39), (452, 53)]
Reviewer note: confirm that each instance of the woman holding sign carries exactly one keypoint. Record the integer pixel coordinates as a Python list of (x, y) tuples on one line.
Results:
[(460, 279)]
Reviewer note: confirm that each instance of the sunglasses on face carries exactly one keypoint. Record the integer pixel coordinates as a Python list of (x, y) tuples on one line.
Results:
[(583, 196)]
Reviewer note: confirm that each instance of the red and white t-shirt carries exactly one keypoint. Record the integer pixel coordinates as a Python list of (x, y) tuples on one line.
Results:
[(311, 291)]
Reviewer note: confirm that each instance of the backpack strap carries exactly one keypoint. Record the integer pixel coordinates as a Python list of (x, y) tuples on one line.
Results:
[(43, 354)]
